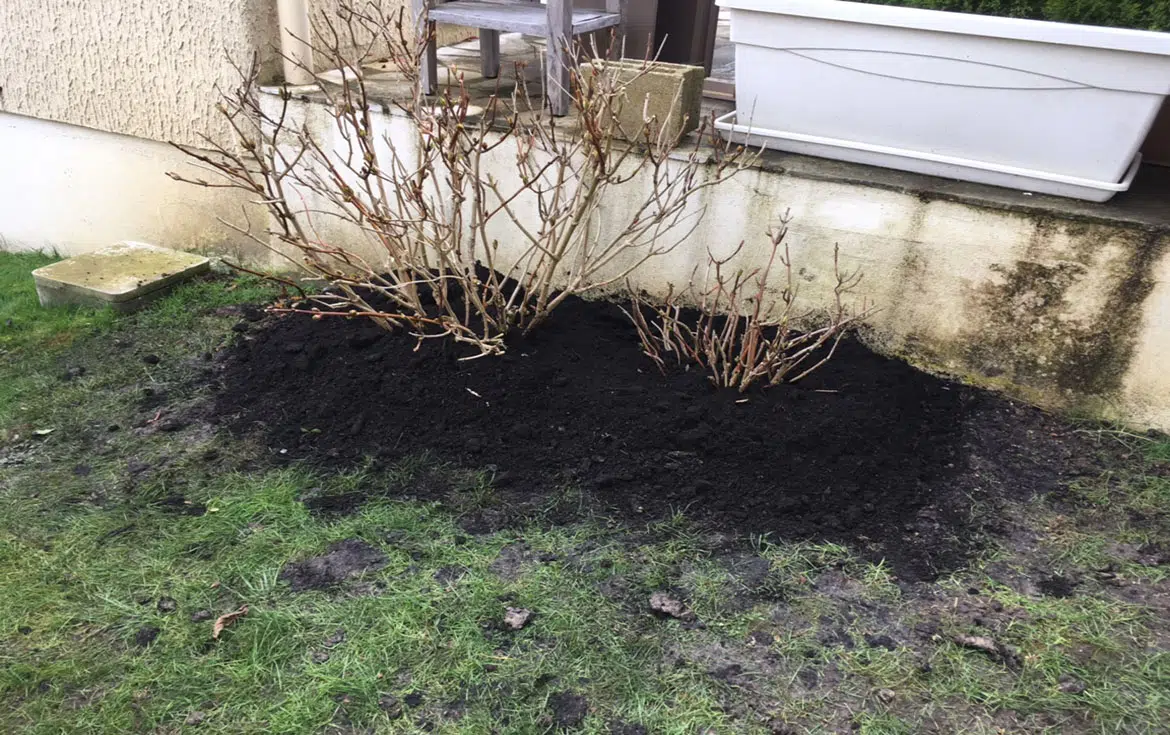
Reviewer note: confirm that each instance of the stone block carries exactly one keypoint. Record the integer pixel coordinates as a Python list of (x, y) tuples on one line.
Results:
[(124, 277), (668, 96)]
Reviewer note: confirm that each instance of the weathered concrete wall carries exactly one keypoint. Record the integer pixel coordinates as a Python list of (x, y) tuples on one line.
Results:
[(1065, 312), (74, 189)]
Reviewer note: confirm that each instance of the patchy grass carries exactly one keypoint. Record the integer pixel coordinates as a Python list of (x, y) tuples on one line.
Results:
[(133, 523), (23, 323)]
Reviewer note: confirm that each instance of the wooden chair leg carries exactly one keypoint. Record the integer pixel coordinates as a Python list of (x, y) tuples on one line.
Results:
[(429, 73), (489, 53), (619, 31), (560, 38)]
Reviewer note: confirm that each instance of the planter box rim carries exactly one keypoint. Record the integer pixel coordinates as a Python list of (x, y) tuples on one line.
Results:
[(1038, 31)]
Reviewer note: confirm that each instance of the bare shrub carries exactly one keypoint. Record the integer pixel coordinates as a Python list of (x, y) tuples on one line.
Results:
[(432, 211), (732, 326)]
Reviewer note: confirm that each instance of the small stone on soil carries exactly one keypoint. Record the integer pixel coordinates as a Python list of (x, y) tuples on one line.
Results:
[(1069, 684), (517, 617), (342, 560), (146, 635), (881, 641), (761, 638), (568, 709), (1005, 654), (167, 605), (886, 696), (389, 704), (665, 604), (195, 718), (1057, 586)]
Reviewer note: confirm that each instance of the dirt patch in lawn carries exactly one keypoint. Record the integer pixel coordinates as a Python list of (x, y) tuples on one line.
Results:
[(341, 561), (868, 451)]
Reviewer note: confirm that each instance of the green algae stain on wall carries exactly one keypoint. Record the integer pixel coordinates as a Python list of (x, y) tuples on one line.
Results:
[(1066, 328)]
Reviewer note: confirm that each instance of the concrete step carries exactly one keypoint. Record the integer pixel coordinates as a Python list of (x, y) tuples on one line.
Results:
[(124, 277)]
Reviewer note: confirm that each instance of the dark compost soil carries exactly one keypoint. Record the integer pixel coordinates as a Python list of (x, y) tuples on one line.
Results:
[(869, 451)]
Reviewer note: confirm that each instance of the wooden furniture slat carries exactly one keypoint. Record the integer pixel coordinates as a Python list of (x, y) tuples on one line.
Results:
[(518, 18), (558, 21), (560, 39), (489, 53)]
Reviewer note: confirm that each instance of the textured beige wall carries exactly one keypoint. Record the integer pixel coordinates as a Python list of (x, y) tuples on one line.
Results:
[(146, 68), (138, 67)]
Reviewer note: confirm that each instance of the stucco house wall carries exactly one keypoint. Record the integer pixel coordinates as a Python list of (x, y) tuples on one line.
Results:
[(91, 92), (135, 67), (139, 67)]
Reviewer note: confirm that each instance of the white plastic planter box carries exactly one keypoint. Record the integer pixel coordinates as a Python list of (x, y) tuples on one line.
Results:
[(1043, 107)]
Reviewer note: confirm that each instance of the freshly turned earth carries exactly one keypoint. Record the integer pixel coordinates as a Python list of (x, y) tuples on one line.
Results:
[(867, 451)]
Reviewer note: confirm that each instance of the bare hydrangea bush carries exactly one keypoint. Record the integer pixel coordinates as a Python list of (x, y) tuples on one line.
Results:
[(743, 327), (427, 205)]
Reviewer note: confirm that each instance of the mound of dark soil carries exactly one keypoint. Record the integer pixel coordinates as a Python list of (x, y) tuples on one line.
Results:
[(868, 450)]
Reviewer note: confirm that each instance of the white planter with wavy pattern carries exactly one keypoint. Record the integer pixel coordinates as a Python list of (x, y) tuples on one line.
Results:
[(1043, 107)]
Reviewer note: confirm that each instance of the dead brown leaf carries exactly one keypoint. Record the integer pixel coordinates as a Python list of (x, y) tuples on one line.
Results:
[(227, 619)]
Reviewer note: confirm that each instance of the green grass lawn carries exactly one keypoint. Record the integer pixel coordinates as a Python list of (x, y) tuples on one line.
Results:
[(128, 523)]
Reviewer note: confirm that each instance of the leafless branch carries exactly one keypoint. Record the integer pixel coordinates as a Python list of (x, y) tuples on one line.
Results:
[(430, 209), (732, 326)]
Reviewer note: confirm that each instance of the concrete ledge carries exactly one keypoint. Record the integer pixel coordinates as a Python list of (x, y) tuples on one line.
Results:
[(124, 277)]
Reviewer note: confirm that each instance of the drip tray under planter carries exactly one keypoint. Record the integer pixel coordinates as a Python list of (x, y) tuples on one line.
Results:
[(951, 167)]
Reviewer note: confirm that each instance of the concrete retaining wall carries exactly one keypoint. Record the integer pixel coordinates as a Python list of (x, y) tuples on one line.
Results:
[(73, 189), (1063, 311), (1071, 312)]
